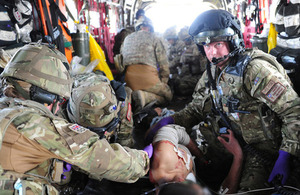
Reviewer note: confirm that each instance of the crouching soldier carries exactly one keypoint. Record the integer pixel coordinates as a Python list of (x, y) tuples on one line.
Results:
[(36, 146)]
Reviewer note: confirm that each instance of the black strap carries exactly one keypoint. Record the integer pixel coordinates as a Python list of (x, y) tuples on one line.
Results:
[(47, 19), (55, 14), (211, 81), (54, 30), (55, 8), (108, 128)]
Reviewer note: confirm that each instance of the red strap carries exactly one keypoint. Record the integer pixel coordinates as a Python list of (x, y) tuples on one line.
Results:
[(128, 115)]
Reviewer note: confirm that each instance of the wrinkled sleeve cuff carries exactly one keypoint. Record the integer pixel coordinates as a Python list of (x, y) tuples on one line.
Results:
[(291, 147)]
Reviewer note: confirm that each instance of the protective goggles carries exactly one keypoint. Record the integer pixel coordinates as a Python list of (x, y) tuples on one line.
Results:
[(207, 37)]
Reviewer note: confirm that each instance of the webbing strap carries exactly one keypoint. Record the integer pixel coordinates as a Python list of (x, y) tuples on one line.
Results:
[(85, 90), (68, 139), (45, 52), (37, 106), (58, 36), (39, 74), (47, 18), (50, 77)]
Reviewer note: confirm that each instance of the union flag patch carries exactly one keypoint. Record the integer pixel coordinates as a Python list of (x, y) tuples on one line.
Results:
[(256, 80), (77, 128)]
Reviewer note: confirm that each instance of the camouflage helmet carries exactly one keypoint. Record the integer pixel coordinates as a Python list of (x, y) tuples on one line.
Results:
[(143, 20), (184, 34), (171, 33), (42, 66), (93, 102)]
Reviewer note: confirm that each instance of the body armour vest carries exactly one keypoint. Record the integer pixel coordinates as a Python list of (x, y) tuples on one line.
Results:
[(40, 177), (253, 118)]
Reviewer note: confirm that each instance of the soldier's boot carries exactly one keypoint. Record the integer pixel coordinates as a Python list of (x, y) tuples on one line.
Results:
[(138, 99)]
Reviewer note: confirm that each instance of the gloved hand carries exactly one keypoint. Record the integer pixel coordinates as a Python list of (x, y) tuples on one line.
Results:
[(153, 129), (66, 168), (149, 150), (281, 167)]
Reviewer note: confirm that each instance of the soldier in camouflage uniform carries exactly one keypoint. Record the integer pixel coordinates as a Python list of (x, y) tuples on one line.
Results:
[(102, 107), (249, 93), (36, 145), (175, 49), (147, 67), (192, 65)]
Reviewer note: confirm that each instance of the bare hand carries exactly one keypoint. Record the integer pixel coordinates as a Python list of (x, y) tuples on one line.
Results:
[(232, 145)]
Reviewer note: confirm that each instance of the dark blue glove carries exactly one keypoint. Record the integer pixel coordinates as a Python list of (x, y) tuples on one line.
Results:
[(153, 129), (281, 167), (149, 150)]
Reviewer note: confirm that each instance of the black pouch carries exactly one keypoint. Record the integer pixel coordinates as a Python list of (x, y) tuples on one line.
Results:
[(119, 90)]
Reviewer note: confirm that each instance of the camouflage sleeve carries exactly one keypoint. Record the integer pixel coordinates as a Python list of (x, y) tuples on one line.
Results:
[(162, 61), (194, 112), (83, 148), (269, 86)]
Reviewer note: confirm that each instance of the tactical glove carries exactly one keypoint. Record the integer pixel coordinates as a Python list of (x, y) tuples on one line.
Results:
[(281, 167), (149, 150)]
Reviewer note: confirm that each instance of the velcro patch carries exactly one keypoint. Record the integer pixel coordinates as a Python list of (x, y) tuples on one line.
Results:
[(123, 104), (256, 80), (128, 114), (77, 128), (275, 92), (268, 87)]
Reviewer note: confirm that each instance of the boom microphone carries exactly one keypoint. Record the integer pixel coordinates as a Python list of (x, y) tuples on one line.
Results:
[(217, 60)]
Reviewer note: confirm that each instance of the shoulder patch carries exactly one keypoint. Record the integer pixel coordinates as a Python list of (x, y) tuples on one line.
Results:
[(77, 128), (123, 104), (256, 80), (267, 88), (273, 90)]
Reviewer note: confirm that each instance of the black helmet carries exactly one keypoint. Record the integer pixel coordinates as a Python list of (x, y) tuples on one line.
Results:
[(217, 25)]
